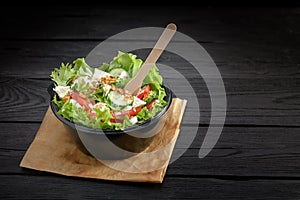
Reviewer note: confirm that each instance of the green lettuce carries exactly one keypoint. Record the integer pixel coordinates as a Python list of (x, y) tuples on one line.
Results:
[(82, 87), (146, 114), (132, 65), (83, 68), (80, 116), (67, 110), (64, 75), (59, 103)]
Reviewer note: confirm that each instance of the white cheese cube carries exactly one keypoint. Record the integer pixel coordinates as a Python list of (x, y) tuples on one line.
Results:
[(62, 90), (98, 74), (137, 102), (133, 120)]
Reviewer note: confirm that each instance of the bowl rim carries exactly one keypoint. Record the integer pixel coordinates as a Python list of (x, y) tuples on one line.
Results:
[(132, 128)]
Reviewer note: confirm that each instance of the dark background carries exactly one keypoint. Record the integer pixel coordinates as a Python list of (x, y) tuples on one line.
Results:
[(256, 48)]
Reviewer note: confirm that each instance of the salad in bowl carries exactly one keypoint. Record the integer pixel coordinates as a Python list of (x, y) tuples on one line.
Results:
[(95, 98)]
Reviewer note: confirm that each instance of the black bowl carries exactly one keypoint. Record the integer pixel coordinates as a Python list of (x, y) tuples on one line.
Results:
[(114, 144)]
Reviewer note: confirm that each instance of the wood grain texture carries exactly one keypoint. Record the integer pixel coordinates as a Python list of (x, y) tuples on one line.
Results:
[(53, 187), (240, 151), (36, 59), (256, 51), (203, 24), (248, 102)]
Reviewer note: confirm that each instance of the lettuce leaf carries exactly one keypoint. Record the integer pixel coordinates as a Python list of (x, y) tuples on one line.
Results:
[(57, 102), (83, 68), (132, 65), (103, 119), (153, 77), (137, 63), (146, 114), (123, 60), (80, 116), (82, 86), (67, 110), (104, 67), (64, 75), (126, 122), (161, 96)]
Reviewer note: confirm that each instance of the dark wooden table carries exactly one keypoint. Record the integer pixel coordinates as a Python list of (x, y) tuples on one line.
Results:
[(257, 53)]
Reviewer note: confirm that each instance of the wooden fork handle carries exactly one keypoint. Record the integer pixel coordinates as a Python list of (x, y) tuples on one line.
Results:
[(135, 83)]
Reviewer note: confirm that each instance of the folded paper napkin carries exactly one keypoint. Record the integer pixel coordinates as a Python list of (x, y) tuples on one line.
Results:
[(53, 150)]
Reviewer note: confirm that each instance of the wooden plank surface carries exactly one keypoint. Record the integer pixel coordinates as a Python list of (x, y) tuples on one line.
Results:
[(256, 51), (240, 151), (36, 59), (248, 102), (203, 24), (53, 187)]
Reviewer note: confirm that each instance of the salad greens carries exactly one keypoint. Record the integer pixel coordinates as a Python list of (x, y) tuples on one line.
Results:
[(94, 97)]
